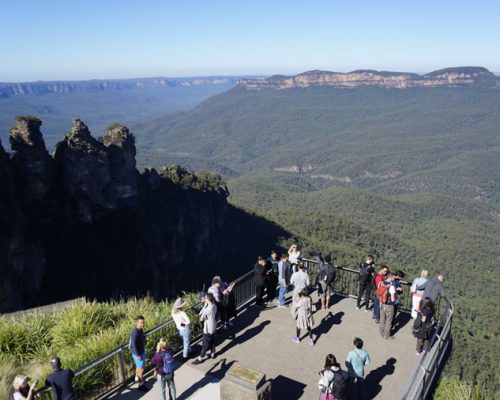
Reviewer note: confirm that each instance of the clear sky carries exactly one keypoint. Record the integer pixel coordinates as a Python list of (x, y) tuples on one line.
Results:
[(76, 39)]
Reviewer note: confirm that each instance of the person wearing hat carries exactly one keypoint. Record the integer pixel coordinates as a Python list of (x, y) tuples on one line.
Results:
[(22, 390), (182, 322), (61, 381)]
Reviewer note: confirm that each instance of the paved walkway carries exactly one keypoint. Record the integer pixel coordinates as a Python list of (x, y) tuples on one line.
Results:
[(261, 340)]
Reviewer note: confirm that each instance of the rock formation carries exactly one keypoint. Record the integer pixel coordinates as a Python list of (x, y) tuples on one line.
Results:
[(461, 76), (86, 223)]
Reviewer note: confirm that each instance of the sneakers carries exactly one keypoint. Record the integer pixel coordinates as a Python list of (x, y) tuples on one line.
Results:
[(212, 355), (136, 379), (282, 306), (389, 338), (224, 327), (366, 310), (197, 361), (377, 321), (296, 339), (358, 307), (311, 342), (417, 353)]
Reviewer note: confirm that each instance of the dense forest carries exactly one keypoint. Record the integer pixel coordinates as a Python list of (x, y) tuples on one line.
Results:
[(456, 237)]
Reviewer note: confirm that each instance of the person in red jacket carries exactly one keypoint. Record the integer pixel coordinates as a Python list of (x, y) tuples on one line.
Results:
[(379, 277)]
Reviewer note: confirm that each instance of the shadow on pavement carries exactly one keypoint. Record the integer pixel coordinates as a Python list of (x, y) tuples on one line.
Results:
[(286, 388), (401, 320), (247, 335), (216, 373), (327, 323), (373, 379)]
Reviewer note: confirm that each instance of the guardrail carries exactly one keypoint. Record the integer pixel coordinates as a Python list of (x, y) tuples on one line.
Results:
[(115, 369), (421, 382)]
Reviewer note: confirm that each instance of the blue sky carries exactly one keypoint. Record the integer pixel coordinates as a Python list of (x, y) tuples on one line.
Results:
[(93, 39)]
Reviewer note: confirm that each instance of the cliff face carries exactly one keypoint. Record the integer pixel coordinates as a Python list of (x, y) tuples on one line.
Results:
[(462, 76), (86, 223), (25, 88)]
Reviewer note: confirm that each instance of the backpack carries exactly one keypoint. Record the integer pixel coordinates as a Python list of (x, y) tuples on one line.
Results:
[(339, 384), (168, 363), (330, 273), (383, 293)]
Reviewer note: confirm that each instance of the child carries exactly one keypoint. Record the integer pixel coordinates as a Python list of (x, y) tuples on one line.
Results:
[(164, 371), (301, 311)]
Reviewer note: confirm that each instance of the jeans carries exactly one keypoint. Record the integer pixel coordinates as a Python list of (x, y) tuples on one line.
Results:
[(207, 344), (165, 382), (281, 294), (376, 309), (185, 333)]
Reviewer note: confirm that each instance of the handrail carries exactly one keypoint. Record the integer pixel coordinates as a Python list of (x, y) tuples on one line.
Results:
[(244, 290), (422, 379)]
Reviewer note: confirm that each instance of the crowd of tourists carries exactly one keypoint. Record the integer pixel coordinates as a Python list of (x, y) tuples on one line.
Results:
[(274, 277)]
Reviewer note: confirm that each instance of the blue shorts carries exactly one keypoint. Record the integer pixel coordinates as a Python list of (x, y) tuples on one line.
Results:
[(139, 363)]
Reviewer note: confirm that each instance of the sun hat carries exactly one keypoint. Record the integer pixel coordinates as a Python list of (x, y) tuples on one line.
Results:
[(179, 303)]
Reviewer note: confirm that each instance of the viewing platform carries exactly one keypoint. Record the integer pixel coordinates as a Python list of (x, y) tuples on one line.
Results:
[(261, 339)]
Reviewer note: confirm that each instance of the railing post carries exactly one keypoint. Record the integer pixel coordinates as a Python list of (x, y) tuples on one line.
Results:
[(122, 365)]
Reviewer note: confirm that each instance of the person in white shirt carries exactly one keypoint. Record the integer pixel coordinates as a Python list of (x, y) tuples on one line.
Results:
[(417, 294), (293, 256), (182, 322), (299, 280), (208, 316)]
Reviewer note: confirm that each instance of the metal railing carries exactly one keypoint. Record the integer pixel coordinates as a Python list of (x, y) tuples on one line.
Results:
[(115, 369), (421, 382)]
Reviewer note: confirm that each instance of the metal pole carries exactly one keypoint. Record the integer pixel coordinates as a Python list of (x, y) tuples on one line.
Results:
[(122, 366)]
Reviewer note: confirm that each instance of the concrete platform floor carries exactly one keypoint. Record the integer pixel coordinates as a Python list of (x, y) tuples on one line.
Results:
[(261, 340)]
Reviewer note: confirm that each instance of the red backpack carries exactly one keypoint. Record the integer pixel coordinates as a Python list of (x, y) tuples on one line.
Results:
[(383, 293)]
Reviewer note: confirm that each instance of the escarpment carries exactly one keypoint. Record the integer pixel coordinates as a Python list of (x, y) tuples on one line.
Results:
[(86, 222)]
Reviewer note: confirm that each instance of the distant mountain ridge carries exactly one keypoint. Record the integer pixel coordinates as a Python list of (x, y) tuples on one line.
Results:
[(459, 76), (96, 85)]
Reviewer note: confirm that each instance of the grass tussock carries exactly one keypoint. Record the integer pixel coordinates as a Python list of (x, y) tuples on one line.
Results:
[(452, 388), (80, 334)]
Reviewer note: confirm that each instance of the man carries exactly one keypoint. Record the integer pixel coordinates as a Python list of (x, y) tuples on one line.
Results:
[(299, 280), (61, 381), (387, 309), (138, 348), (379, 278), (216, 291), (355, 362), (326, 278), (366, 271), (272, 277), (260, 272), (433, 288), (283, 279), (208, 316)]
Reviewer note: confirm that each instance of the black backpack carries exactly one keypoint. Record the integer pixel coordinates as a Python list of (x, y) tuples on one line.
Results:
[(339, 384), (329, 273)]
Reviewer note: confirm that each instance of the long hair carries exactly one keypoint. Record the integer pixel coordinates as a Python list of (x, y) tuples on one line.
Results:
[(331, 361)]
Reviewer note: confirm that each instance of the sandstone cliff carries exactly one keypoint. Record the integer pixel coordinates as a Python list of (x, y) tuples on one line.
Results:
[(85, 222), (461, 76)]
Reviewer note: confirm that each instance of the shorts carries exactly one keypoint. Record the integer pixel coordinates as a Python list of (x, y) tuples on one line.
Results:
[(325, 290), (139, 363)]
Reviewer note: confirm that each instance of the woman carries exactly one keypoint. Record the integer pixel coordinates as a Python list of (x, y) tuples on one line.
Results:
[(422, 327), (23, 391), (301, 311), (293, 256), (417, 294), (164, 371), (334, 381), (182, 323)]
